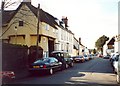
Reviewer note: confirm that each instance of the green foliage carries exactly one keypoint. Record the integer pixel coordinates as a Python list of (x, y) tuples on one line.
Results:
[(94, 51), (101, 42)]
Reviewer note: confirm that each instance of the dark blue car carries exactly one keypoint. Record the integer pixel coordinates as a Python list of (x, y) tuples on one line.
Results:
[(49, 65)]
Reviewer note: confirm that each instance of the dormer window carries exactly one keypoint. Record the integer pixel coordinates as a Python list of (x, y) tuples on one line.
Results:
[(20, 23)]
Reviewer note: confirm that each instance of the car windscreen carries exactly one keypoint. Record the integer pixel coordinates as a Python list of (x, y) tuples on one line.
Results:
[(80, 56), (85, 55), (42, 60)]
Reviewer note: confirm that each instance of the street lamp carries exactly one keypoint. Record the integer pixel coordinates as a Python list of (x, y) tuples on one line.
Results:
[(15, 35)]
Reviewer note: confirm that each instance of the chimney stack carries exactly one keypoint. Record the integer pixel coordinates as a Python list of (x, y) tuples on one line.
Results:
[(65, 20), (79, 40)]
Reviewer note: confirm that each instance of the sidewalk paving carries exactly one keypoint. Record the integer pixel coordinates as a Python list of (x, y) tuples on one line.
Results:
[(20, 74)]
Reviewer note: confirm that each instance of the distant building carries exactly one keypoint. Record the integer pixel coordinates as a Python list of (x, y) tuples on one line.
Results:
[(65, 37), (76, 47), (109, 47)]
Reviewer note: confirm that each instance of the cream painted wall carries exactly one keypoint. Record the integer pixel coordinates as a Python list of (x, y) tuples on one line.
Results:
[(29, 29), (30, 22), (50, 32)]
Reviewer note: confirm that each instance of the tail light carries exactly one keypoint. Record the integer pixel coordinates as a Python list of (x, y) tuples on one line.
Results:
[(44, 66)]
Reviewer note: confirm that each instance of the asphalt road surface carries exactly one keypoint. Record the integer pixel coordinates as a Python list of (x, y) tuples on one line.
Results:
[(97, 71)]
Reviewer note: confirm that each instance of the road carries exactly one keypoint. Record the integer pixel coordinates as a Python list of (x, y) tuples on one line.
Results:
[(97, 71)]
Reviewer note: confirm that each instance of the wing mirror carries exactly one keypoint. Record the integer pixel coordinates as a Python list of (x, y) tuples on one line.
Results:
[(60, 63)]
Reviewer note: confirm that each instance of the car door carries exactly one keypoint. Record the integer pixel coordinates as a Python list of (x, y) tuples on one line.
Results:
[(55, 64)]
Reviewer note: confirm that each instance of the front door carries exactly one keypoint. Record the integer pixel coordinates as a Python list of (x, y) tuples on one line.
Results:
[(50, 45)]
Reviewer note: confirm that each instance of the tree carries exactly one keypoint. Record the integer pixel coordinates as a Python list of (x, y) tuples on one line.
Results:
[(8, 3), (94, 51), (101, 42)]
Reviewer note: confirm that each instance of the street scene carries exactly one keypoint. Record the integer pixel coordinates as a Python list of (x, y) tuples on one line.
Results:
[(97, 71), (47, 43)]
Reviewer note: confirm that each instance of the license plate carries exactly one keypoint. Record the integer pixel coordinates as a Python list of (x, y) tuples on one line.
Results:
[(77, 60), (36, 66)]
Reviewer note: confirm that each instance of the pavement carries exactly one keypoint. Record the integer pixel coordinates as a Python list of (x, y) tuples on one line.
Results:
[(20, 74)]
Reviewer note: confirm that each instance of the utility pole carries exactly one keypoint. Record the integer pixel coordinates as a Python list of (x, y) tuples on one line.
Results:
[(79, 42), (15, 35), (38, 15), (3, 3)]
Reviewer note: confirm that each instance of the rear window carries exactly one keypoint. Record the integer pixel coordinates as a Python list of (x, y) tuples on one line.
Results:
[(57, 55), (85, 55)]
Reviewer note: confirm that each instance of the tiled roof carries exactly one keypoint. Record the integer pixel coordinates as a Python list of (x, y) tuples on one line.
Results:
[(44, 16), (7, 16), (111, 42)]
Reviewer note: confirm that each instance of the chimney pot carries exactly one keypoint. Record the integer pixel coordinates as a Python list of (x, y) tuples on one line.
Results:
[(65, 20)]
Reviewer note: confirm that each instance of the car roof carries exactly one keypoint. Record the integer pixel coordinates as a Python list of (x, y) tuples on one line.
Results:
[(59, 52)]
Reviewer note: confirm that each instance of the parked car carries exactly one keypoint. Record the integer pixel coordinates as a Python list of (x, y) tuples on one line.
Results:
[(64, 57), (73, 57), (112, 58), (115, 64), (49, 65), (86, 57), (106, 57), (100, 55), (79, 58), (7, 76), (90, 56)]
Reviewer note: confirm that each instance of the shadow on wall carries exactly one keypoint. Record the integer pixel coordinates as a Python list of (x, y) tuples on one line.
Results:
[(15, 57)]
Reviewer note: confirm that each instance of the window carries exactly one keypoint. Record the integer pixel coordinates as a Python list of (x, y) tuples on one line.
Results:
[(47, 27), (55, 60), (20, 23), (62, 47), (53, 30), (51, 61)]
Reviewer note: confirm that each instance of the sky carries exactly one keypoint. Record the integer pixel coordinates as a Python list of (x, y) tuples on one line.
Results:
[(88, 19)]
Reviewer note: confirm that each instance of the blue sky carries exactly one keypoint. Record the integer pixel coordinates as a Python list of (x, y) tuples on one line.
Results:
[(88, 19)]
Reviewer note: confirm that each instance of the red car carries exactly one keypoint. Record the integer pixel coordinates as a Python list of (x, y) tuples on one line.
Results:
[(7, 76), (100, 55)]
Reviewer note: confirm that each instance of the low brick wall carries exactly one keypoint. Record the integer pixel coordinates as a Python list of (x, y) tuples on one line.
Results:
[(14, 57)]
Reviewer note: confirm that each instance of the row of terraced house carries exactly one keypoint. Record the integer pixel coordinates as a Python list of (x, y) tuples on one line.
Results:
[(20, 27)]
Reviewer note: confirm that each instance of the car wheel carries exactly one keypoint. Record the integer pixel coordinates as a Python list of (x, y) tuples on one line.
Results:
[(51, 71), (82, 61), (66, 66), (71, 65), (118, 79)]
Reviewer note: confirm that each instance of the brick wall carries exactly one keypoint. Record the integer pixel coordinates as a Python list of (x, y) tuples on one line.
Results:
[(14, 57)]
